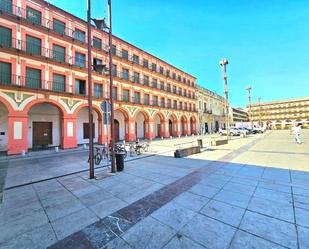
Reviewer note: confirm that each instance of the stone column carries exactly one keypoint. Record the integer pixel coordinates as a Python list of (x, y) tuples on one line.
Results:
[(69, 132)]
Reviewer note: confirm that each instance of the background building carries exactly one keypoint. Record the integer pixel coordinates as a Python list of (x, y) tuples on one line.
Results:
[(238, 116), (282, 114), (43, 83), (211, 110)]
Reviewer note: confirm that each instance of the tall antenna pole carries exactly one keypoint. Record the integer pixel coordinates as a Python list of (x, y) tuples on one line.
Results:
[(91, 164), (223, 64), (249, 105), (110, 43)]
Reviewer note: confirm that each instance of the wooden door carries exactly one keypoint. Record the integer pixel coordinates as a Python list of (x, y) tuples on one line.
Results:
[(158, 130), (170, 126), (42, 134), (116, 130)]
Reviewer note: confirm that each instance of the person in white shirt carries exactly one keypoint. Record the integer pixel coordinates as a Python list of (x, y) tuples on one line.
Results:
[(296, 132)]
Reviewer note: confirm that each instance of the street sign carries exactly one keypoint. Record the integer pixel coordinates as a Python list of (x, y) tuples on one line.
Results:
[(106, 106)]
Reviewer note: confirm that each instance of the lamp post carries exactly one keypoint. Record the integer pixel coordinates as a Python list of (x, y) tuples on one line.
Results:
[(248, 88), (91, 163), (260, 112), (223, 64), (100, 24), (111, 97)]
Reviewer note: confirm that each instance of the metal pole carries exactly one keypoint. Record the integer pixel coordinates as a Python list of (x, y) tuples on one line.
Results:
[(91, 164), (249, 104), (260, 112), (223, 63), (110, 43)]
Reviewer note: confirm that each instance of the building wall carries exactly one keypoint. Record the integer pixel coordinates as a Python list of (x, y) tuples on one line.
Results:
[(82, 117), (281, 114), (3, 127), (20, 94)]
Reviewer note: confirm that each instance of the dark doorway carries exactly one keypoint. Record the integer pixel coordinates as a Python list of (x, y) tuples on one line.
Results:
[(170, 127), (158, 130), (217, 126), (206, 127), (116, 130), (42, 134)]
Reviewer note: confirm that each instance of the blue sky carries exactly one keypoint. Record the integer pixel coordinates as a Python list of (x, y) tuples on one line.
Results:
[(265, 41)]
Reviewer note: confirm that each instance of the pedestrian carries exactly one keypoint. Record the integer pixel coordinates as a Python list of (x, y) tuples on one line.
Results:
[(296, 132)]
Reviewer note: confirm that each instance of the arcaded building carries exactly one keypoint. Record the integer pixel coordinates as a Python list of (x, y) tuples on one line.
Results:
[(43, 83), (282, 114)]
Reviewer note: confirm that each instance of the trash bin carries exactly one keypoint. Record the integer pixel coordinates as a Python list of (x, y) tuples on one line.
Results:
[(120, 161), (200, 143)]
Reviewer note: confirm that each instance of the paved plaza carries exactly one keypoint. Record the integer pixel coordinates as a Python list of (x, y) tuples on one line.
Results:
[(250, 193)]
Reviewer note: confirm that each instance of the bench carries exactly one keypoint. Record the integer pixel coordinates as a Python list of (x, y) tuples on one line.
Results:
[(187, 151), (217, 142)]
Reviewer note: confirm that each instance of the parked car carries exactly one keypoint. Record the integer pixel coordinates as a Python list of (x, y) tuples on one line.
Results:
[(233, 132), (243, 130), (259, 129)]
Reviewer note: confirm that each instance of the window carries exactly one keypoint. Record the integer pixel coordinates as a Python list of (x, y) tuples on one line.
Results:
[(80, 87), (114, 71), (80, 60), (146, 99), (135, 59), (154, 83), (33, 78), (58, 83), (113, 49), (98, 93), (126, 95), (58, 53), (185, 92), (162, 102), (184, 80), (180, 105), (168, 73), (137, 98), (6, 6), (33, 16), (155, 100), (162, 85), (86, 130), (33, 45), (5, 73), (97, 43), (185, 106), (179, 78), (169, 103), (175, 104), (5, 37), (168, 87), (59, 27), (97, 62), (145, 63), (79, 35), (136, 77), (180, 91), (115, 95), (125, 74), (146, 80), (174, 76), (153, 67), (174, 89), (161, 70), (125, 54)]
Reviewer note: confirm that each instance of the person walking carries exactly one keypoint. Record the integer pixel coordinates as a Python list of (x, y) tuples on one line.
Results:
[(296, 132)]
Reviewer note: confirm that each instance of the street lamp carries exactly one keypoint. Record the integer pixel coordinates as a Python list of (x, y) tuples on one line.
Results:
[(223, 64), (248, 88), (101, 25)]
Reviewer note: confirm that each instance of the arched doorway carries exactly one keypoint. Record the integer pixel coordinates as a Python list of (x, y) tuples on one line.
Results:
[(172, 125), (183, 123), (193, 125), (140, 124), (82, 119), (158, 120), (44, 126), (4, 113), (120, 119)]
